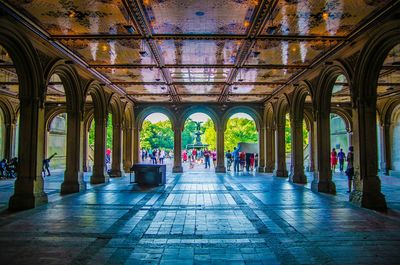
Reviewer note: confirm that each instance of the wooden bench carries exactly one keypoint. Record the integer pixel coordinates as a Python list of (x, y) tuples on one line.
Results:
[(149, 174)]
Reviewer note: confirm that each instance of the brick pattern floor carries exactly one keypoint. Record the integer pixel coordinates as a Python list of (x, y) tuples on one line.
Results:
[(199, 218)]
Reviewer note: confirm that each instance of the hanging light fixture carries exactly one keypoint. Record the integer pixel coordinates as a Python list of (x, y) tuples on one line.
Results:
[(142, 50)]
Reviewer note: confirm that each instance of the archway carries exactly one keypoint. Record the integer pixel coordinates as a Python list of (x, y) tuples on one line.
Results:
[(199, 143), (56, 141), (241, 132), (157, 140)]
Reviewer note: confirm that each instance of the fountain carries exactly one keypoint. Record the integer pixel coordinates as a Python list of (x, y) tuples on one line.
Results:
[(198, 144)]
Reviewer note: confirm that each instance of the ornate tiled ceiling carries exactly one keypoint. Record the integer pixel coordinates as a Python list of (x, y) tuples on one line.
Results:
[(200, 51)]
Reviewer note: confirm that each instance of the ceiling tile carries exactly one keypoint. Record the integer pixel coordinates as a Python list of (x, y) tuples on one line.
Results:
[(199, 98), (133, 74), (199, 89), (193, 75)]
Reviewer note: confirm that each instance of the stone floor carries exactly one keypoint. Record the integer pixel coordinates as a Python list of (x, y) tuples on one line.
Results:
[(198, 218)]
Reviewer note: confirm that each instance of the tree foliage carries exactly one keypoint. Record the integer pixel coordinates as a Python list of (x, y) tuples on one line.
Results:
[(240, 130), (108, 133), (157, 135)]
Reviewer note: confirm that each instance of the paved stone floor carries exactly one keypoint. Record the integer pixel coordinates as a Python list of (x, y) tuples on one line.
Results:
[(198, 218)]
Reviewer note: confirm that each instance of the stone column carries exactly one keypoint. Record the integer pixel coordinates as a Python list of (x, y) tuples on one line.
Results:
[(385, 146), (85, 148), (323, 175), (280, 170), (220, 150), (261, 147), (116, 151), (10, 140), (128, 147), (177, 150), (99, 175), (297, 172), (29, 185), (136, 143), (349, 137), (73, 176), (311, 146), (269, 145), (367, 185)]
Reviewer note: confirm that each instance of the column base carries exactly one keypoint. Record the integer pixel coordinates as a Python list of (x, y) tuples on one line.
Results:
[(72, 187), (115, 173), (220, 169), (374, 201), (261, 169), (19, 202), (325, 186), (269, 169), (99, 179), (177, 169), (281, 173), (298, 178)]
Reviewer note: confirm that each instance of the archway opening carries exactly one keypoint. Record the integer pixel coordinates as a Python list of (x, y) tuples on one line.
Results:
[(288, 144), (199, 143), (388, 126), (9, 119), (157, 140), (241, 133), (57, 142)]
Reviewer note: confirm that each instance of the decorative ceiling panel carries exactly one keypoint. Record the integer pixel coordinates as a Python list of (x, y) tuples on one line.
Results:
[(389, 77), (193, 75), (62, 17), (111, 52), (199, 89), (4, 56), (201, 52), (251, 89), (145, 89), (133, 74), (265, 75), (152, 98), (288, 52), (200, 17), (324, 18), (341, 90), (247, 98), (199, 98)]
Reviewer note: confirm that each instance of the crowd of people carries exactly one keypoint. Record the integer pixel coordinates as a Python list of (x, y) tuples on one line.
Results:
[(205, 156), (340, 157), (156, 156), (241, 161), (8, 169)]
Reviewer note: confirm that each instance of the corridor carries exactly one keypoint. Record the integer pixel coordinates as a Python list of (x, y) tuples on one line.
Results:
[(201, 218)]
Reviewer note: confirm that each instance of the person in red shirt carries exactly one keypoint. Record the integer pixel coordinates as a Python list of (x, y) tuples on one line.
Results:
[(242, 157), (252, 162), (194, 155)]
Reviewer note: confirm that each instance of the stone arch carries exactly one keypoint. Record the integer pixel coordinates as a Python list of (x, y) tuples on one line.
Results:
[(299, 98), (25, 59), (52, 114), (346, 117), (114, 105), (71, 84), (242, 109), (128, 116), (9, 114), (95, 90), (326, 81), (282, 107), (371, 59), (142, 115), (202, 109), (269, 116)]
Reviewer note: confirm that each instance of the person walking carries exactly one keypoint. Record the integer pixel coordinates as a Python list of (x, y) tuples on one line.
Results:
[(247, 159), (236, 159), (242, 157), (252, 162), (207, 155), (341, 157), (46, 164), (214, 158), (162, 156), (350, 167), (184, 156), (333, 160), (154, 157), (228, 156)]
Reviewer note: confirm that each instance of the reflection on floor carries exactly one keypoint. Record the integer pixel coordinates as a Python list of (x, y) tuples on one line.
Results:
[(202, 218)]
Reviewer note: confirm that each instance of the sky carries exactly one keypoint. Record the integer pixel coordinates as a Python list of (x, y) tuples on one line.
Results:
[(156, 117)]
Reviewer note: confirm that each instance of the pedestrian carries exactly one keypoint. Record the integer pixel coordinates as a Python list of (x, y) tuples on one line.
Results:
[(236, 159), (108, 154), (333, 160), (143, 154), (46, 164), (341, 157), (248, 158), (242, 157), (3, 167), (184, 156), (207, 155), (154, 157), (162, 156), (214, 158), (350, 167), (228, 156), (252, 162)]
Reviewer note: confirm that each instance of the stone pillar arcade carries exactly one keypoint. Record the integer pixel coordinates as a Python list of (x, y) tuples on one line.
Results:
[(269, 146), (99, 175), (297, 172), (220, 150), (116, 150), (261, 147), (281, 170), (177, 150)]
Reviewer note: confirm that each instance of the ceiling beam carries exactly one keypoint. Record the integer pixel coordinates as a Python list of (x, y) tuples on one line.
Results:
[(227, 66), (137, 15), (196, 37)]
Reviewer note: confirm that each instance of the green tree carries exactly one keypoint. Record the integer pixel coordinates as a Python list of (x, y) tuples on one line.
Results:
[(240, 130), (157, 135)]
